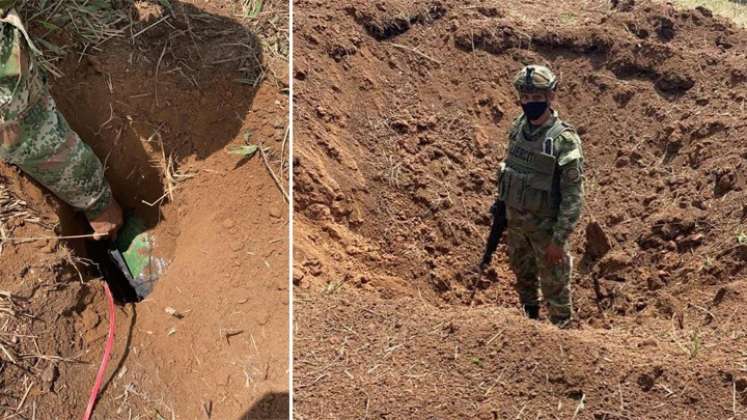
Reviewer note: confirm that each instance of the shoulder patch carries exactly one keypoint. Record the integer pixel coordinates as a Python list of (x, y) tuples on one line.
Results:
[(571, 175)]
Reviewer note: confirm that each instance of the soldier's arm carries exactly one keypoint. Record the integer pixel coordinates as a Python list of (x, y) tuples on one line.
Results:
[(512, 131), (39, 141), (570, 163), (46, 149)]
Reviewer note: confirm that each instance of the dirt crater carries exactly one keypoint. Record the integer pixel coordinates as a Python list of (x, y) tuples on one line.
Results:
[(160, 111), (396, 155)]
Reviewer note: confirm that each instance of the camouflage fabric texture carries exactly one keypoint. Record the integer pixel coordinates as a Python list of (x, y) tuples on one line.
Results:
[(526, 255), (35, 136), (529, 233)]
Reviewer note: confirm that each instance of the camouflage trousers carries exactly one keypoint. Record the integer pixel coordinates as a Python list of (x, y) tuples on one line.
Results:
[(527, 259), (44, 146)]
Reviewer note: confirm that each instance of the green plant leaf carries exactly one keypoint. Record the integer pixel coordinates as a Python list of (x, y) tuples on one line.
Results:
[(253, 8), (49, 25), (245, 151)]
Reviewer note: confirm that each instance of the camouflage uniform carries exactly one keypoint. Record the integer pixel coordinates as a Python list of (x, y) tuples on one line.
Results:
[(541, 183), (33, 133)]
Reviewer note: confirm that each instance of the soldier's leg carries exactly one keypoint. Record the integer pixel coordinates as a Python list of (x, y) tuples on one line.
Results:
[(521, 258), (555, 281)]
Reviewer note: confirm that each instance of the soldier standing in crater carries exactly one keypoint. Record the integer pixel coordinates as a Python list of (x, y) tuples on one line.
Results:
[(35, 136), (540, 184)]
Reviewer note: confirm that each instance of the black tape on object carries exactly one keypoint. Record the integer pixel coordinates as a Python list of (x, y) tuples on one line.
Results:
[(125, 282), (112, 267)]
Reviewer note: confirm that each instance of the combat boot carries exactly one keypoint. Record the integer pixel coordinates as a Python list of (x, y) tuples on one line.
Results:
[(532, 311)]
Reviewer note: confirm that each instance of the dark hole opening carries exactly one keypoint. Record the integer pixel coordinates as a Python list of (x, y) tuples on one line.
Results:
[(100, 252)]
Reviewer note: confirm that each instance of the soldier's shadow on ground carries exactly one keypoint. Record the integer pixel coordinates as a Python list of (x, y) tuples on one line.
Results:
[(176, 88), (272, 406)]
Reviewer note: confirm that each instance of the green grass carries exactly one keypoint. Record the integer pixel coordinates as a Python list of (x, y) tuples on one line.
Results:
[(252, 8), (269, 20), (695, 344), (733, 10)]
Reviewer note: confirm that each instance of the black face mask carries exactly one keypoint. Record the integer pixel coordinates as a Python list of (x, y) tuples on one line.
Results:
[(534, 110)]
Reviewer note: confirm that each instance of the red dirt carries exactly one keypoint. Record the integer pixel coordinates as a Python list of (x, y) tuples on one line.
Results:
[(402, 112), (224, 233)]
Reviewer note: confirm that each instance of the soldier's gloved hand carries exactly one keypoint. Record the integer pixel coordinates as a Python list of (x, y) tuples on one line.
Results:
[(554, 254), (108, 222)]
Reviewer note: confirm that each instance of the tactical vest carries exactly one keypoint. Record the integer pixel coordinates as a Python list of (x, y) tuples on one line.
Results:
[(527, 182)]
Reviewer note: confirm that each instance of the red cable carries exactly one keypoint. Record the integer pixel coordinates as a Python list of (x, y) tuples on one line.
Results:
[(107, 355)]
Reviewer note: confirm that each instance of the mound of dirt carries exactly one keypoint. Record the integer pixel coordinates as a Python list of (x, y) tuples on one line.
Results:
[(405, 358), (397, 145), (161, 109), (48, 314)]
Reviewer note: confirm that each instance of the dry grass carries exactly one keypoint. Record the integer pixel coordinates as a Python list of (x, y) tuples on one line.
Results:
[(269, 20), (81, 27), (171, 176), (13, 210), (62, 27)]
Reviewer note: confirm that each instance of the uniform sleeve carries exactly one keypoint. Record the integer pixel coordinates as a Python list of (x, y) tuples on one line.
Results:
[(570, 163), (45, 147), (38, 140), (515, 127)]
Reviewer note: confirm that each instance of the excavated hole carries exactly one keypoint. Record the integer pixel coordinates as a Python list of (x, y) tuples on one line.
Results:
[(95, 259), (152, 133)]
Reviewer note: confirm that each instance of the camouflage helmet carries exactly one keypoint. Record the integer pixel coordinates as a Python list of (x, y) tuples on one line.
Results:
[(534, 78)]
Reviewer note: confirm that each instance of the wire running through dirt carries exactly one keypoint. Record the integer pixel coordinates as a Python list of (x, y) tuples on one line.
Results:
[(108, 346)]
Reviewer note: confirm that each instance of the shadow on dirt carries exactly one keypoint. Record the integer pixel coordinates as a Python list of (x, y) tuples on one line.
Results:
[(175, 89), (125, 353), (178, 86), (273, 406)]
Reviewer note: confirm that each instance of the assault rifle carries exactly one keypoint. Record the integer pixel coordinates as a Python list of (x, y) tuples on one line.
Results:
[(498, 210), (499, 225)]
